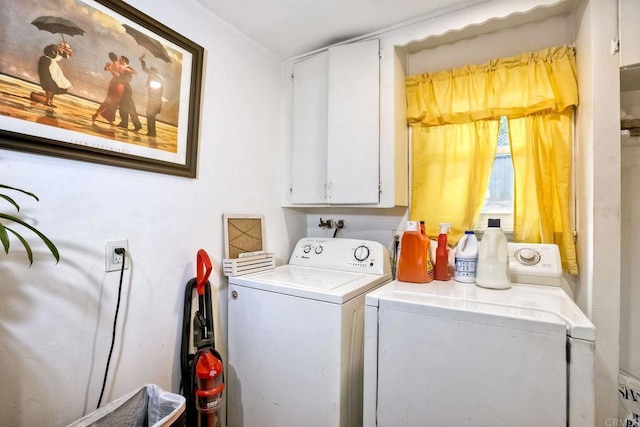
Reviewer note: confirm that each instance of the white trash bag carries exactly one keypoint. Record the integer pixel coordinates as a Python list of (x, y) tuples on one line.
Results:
[(148, 406), (628, 401)]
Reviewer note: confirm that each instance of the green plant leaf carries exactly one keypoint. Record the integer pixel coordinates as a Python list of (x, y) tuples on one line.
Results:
[(10, 200), (21, 191), (45, 239), (24, 243), (4, 237)]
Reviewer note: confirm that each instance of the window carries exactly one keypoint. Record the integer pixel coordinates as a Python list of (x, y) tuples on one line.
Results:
[(499, 200), (538, 92)]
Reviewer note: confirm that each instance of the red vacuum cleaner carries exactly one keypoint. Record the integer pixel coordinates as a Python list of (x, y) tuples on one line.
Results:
[(201, 365)]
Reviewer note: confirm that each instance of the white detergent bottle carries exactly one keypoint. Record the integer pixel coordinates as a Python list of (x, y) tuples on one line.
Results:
[(493, 258), (466, 258)]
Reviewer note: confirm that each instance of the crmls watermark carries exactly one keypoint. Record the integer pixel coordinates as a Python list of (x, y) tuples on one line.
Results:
[(618, 422)]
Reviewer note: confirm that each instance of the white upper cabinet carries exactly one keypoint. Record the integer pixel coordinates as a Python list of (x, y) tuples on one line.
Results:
[(309, 130), (334, 146), (353, 136), (629, 32)]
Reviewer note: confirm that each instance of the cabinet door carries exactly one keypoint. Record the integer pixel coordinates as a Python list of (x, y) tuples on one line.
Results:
[(309, 148), (353, 135), (629, 32)]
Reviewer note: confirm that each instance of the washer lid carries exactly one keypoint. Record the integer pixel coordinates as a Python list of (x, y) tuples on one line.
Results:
[(526, 303), (313, 283)]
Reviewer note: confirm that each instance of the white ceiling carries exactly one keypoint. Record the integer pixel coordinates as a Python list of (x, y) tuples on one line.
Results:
[(289, 28)]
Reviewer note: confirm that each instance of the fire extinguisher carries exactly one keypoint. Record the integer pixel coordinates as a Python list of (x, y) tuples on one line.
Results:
[(202, 371)]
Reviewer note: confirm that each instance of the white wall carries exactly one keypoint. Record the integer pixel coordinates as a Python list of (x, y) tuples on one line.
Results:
[(554, 31), (597, 160), (378, 225), (56, 320)]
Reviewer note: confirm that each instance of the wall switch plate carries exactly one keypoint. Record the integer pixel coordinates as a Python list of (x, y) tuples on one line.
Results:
[(112, 260)]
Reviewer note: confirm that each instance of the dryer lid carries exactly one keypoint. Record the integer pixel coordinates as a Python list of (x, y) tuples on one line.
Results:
[(524, 303)]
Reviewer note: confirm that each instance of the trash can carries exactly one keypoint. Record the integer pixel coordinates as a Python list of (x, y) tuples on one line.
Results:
[(148, 406)]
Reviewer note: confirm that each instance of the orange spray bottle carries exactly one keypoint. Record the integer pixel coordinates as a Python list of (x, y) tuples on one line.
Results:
[(442, 271)]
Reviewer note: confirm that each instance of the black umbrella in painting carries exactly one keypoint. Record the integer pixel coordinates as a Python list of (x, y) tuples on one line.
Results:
[(152, 45), (57, 25)]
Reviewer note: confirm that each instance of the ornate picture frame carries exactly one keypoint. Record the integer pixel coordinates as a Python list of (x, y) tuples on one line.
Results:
[(66, 91)]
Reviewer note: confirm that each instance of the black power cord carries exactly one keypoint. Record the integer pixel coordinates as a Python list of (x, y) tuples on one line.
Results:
[(119, 251)]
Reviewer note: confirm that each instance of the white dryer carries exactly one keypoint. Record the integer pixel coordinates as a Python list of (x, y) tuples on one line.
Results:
[(296, 336), (451, 354)]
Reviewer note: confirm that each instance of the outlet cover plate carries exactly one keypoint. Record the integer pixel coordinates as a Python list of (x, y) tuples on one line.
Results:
[(113, 261)]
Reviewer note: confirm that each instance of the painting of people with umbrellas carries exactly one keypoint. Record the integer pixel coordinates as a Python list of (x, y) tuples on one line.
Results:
[(51, 76), (98, 76)]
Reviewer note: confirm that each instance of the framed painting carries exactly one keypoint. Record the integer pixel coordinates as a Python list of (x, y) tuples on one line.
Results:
[(98, 80), (242, 233)]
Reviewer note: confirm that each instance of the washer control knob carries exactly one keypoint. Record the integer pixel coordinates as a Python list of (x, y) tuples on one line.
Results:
[(527, 256), (361, 253), (306, 249), (319, 249)]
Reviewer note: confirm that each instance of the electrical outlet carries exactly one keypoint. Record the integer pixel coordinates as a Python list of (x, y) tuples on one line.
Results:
[(112, 260)]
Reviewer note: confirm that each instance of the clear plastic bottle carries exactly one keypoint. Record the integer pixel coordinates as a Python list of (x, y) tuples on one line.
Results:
[(466, 258), (412, 264), (493, 258)]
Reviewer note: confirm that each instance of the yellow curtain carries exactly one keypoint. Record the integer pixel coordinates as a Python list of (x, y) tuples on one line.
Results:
[(541, 84), (451, 166), (525, 84), (541, 152)]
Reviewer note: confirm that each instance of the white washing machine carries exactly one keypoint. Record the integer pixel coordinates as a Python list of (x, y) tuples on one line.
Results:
[(451, 354), (296, 336)]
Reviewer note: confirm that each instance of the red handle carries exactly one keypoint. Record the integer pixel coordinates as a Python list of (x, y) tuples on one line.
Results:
[(203, 269)]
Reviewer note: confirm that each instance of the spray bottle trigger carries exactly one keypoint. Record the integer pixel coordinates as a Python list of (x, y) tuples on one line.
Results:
[(444, 227)]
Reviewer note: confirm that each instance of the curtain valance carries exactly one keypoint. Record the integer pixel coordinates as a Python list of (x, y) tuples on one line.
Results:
[(541, 81)]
